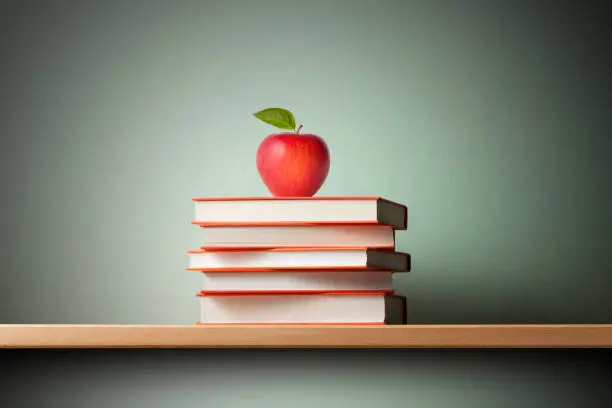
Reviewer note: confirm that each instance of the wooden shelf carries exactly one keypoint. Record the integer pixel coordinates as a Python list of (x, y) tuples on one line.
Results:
[(405, 336)]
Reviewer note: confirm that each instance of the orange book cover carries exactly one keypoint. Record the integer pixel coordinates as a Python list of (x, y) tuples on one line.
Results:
[(303, 293), (205, 248), (294, 268), (292, 223), (296, 198), (289, 249), (204, 293), (294, 249), (281, 223), (293, 324), (328, 293)]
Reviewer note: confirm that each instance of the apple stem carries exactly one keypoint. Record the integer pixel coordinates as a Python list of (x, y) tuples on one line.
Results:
[(297, 132)]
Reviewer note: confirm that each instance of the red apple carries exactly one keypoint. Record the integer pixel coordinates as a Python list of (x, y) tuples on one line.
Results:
[(293, 164)]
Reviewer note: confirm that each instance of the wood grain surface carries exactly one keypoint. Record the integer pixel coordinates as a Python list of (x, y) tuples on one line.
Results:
[(308, 336)]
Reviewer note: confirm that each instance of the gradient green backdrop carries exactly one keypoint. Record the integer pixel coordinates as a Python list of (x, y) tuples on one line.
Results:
[(490, 120), (485, 120)]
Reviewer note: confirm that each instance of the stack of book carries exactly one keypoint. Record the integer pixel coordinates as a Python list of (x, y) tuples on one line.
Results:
[(318, 260)]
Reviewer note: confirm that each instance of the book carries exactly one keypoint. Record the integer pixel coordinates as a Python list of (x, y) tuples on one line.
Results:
[(298, 258), (298, 281), (337, 236), (296, 308), (299, 210)]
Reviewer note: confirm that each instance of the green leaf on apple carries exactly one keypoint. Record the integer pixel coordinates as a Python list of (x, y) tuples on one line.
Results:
[(277, 117)]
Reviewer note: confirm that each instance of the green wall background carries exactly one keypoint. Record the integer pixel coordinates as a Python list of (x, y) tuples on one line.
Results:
[(490, 120), (306, 378)]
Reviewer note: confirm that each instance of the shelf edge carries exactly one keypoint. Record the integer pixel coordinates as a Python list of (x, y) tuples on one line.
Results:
[(239, 336)]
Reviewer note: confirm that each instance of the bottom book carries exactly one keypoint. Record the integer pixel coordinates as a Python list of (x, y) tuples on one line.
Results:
[(301, 308)]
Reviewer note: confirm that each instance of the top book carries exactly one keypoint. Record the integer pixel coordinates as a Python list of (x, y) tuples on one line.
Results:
[(299, 211)]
